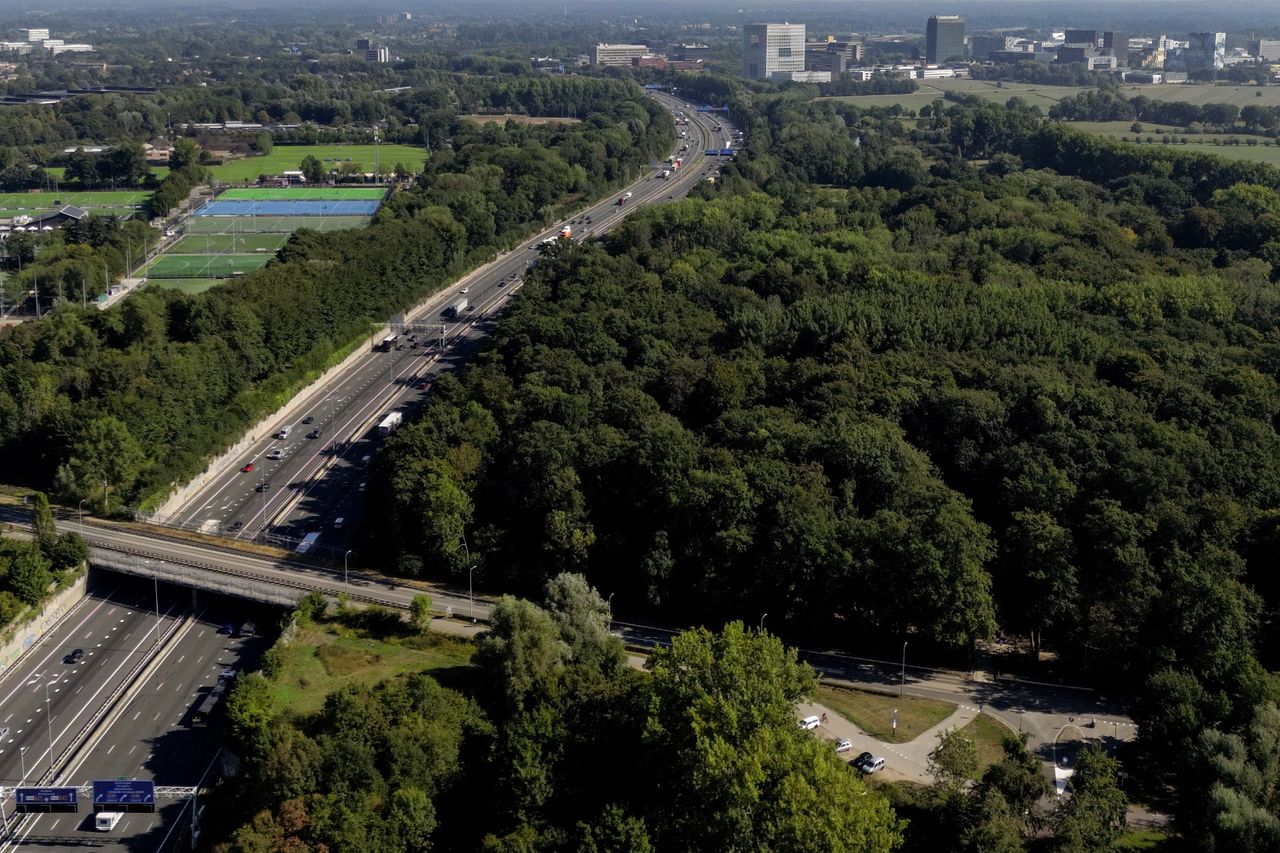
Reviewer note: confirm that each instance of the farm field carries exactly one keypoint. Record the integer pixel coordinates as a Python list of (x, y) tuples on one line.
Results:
[(1202, 143), (285, 157), (1045, 96)]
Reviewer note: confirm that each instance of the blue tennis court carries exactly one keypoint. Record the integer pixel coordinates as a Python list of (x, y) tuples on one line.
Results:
[(289, 208)]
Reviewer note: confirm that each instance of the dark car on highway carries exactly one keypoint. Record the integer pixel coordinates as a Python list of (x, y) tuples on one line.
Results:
[(315, 433), (76, 656), (309, 419)]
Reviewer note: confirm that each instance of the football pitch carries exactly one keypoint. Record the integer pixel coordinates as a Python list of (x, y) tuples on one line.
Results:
[(123, 201), (270, 224), (303, 194), (205, 266), (209, 244)]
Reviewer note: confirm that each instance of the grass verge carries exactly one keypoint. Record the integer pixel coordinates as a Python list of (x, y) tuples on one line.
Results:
[(328, 656), (873, 712), (986, 735)]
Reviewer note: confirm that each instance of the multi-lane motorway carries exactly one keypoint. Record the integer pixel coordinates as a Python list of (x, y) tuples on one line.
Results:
[(312, 480), (149, 731)]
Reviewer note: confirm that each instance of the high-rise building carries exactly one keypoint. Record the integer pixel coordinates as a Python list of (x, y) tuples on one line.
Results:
[(981, 47), (35, 35), (378, 54), (618, 54), (1117, 44), (1268, 50), (1081, 38), (944, 39), (769, 49), (1203, 50)]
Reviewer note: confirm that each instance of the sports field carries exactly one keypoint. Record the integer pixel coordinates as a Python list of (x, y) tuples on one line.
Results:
[(287, 157), (204, 266), (287, 207), (270, 224), (119, 202), (303, 194), (208, 244)]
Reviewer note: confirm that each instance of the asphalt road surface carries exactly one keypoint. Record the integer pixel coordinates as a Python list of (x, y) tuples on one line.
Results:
[(280, 490), (154, 735)]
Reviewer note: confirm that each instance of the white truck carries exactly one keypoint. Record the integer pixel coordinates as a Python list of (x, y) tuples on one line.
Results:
[(666, 173), (456, 309), (389, 423)]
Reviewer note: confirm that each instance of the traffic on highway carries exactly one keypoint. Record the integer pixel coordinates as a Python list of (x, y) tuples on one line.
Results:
[(302, 483)]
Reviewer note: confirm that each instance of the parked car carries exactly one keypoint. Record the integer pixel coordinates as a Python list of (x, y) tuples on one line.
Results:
[(844, 745), (861, 760), (874, 765), (810, 723)]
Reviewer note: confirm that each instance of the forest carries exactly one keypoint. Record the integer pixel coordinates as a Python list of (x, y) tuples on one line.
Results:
[(904, 394), (549, 741), (140, 395)]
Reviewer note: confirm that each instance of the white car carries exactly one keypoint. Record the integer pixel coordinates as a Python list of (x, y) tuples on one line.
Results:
[(844, 746), (873, 765), (276, 454), (809, 723)]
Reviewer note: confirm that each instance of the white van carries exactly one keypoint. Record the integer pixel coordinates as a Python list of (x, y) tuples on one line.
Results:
[(872, 766), (106, 821), (810, 723)]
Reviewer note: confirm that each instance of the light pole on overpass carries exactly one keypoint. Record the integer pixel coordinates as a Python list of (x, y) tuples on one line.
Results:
[(22, 757), (155, 580), (80, 510), (345, 558)]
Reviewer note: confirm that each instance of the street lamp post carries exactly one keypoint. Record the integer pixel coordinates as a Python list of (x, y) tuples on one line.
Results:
[(761, 628), (155, 580), (903, 682), (345, 558), (471, 597), (48, 718), (80, 510), (22, 757)]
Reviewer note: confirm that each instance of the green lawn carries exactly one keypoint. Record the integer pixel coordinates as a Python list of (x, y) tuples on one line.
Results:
[(270, 224), (327, 656), (1136, 838), (873, 712), (1204, 143), (286, 157), (199, 244), (987, 735)]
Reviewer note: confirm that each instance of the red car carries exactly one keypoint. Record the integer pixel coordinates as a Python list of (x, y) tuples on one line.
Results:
[(247, 469), (422, 386)]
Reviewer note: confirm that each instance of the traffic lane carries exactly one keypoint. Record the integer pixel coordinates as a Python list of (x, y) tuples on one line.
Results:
[(108, 634), (220, 512), (154, 737)]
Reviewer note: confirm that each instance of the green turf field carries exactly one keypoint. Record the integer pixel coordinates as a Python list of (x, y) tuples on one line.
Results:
[(186, 285), (270, 224), (204, 266), (201, 244), (303, 194), (121, 202), (286, 157)]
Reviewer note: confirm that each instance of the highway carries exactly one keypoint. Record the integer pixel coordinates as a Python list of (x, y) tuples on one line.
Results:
[(46, 697), (281, 489), (153, 735)]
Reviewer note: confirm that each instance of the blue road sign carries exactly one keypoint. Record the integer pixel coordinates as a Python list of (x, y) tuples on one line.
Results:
[(45, 796), (30, 800), (124, 792)]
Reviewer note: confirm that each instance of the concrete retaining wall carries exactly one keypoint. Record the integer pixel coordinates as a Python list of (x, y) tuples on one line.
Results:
[(31, 633), (267, 425)]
